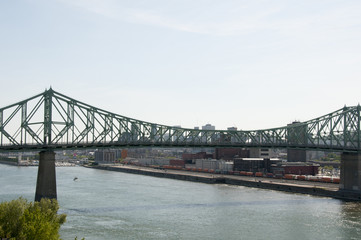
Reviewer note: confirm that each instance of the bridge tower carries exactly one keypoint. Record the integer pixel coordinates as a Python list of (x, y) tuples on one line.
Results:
[(350, 172), (46, 182), (296, 136), (350, 179)]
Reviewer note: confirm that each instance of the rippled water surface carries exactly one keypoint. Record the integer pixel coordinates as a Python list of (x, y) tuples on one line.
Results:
[(114, 205)]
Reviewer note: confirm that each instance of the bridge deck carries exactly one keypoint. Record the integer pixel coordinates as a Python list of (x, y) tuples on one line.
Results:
[(51, 121)]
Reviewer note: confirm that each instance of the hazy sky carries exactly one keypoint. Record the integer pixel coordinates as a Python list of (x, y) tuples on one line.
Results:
[(249, 64)]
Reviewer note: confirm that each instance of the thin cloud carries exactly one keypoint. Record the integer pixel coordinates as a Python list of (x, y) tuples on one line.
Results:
[(195, 22), (227, 18)]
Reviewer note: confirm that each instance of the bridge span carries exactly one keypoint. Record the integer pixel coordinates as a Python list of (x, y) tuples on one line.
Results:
[(52, 121)]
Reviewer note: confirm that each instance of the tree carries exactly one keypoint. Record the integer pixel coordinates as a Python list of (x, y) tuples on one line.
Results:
[(10, 214), (20, 219)]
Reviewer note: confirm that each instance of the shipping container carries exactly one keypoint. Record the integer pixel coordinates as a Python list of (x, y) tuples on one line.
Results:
[(336, 180), (326, 179), (176, 162), (259, 174), (289, 176), (301, 177), (269, 175)]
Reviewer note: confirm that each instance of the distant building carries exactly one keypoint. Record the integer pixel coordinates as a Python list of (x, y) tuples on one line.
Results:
[(230, 138), (104, 156), (274, 166), (177, 134), (125, 137), (230, 153), (297, 168), (254, 164), (207, 137), (208, 127), (121, 153), (262, 153), (135, 131), (219, 166), (193, 156)]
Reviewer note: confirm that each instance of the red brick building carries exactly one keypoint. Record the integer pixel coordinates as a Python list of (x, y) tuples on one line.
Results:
[(230, 153)]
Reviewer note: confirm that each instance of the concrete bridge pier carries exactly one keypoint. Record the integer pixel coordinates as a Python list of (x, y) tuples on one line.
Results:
[(46, 183), (351, 172)]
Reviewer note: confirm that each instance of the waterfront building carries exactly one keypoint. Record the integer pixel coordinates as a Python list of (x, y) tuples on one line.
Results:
[(104, 156), (231, 153), (262, 153), (254, 164)]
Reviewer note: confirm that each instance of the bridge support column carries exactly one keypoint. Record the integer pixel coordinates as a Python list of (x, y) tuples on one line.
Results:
[(350, 172), (46, 183)]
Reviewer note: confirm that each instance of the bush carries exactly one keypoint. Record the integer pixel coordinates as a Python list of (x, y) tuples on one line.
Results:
[(20, 219)]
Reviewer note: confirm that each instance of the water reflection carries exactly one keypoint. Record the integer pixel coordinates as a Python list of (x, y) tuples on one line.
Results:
[(351, 220)]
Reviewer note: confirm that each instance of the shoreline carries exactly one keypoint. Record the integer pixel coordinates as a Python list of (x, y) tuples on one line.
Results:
[(36, 165), (9, 163), (314, 189)]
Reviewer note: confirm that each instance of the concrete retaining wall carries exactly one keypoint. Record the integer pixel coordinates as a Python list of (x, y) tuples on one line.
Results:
[(215, 179), (9, 163)]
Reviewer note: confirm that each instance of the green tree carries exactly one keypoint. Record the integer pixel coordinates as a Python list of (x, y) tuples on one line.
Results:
[(10, 214), (20, 220)]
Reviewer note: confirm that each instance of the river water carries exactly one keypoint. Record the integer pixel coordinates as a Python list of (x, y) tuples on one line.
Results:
[(113, 205)]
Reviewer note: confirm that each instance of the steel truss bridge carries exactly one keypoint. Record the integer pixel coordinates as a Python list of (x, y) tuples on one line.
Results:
[(53, 121)]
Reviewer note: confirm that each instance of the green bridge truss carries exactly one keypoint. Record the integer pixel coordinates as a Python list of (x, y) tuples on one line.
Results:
[(51, 120)]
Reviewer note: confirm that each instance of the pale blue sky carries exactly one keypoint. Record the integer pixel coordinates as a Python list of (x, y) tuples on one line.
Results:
[(249, 64)]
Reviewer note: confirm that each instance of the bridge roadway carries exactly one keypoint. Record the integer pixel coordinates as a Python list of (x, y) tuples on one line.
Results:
[(294, 186)]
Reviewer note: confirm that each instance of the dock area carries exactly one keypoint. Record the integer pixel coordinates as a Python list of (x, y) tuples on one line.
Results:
[(293, 186)]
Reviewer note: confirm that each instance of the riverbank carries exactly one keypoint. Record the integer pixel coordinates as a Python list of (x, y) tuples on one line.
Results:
[(8, 163), (302, 187), (35, 164)]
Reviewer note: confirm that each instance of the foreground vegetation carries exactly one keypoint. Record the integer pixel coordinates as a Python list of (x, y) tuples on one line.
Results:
[(23, 220)]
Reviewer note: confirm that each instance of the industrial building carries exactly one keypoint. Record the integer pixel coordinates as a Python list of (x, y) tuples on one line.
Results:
[(110, 155), (275, 166), (231, 153), (193, 156), (254, 164), (213, 164), (104, 156), (296, 168)]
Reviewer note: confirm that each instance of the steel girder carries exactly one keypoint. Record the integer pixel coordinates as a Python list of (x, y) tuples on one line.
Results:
[(53, 120)]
